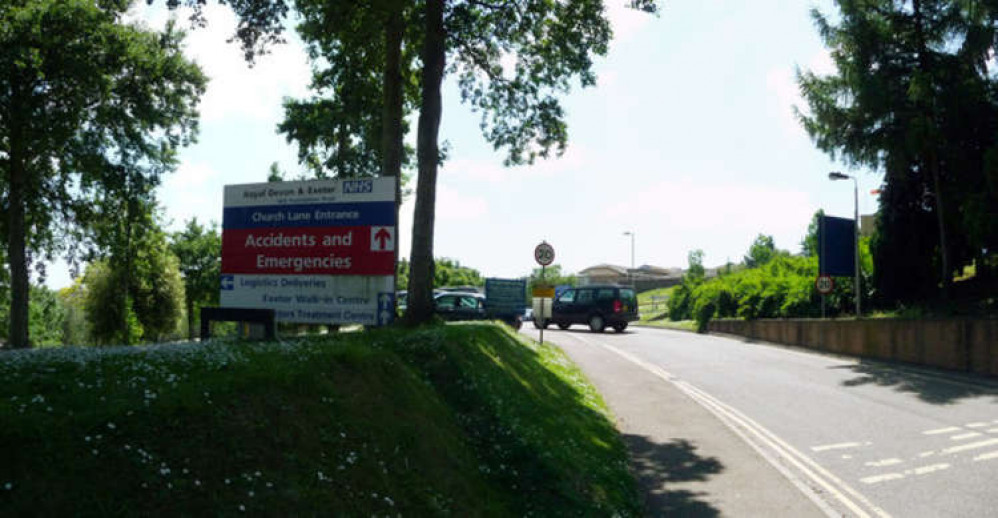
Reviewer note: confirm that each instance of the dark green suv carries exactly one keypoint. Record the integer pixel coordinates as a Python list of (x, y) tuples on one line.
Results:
[(599, 306)]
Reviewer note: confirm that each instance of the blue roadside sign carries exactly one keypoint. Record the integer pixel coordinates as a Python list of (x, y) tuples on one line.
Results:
[(836, 246), (505, 296)]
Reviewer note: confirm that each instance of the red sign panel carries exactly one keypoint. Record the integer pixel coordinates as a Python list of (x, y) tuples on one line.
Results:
[(361, 250)]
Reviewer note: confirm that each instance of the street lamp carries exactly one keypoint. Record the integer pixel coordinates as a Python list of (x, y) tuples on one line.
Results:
[(630, 233), (835, 175), (631, 273)]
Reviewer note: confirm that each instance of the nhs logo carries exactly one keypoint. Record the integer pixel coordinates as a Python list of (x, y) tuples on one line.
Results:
[(357, 186)]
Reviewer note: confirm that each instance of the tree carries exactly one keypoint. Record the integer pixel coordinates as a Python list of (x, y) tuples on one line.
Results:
[(809, 246), (153, 305), (449, 272), (762, 251), (695, 272), (84, 101), (552, 43), (913, 96), (198, 249)]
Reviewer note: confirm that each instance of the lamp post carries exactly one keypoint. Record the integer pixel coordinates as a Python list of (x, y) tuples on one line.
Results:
[(631, 273), (835, 175)]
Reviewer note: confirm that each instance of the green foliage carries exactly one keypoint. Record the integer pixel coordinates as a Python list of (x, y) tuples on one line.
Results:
[(153, 306), (809, 246), (402, 274), (75, 327), (762, 251), (458, 420), (449, 272), (198, 249), (47, 316), (88, 105), (913, 96)]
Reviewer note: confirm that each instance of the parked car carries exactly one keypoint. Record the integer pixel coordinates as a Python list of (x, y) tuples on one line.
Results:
[(470, 306), (460, 306), (599, 306)]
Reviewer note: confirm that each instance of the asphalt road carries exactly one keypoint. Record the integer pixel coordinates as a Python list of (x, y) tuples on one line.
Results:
[(865, 438)]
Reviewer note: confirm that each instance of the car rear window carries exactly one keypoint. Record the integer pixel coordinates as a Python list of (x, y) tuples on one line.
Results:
[(627, 296)]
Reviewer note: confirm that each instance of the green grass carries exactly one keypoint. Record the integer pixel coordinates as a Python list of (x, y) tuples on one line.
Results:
[(451, 420)]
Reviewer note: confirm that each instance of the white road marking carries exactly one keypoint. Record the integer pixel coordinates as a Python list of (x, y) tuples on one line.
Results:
[(986, 456), (881, 478), (992, 430), (924, 470), (943, 430), (976, 425), (885, 462), (970, 446), (839, 446), (847, 457), (926, 454), (963, 436), (734, 419)]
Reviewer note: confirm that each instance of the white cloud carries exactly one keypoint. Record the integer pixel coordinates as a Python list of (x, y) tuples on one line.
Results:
[(782, 83), (455, 206), (624, 20), (235, 89), (492, 171), (730, 208), (193, 190)]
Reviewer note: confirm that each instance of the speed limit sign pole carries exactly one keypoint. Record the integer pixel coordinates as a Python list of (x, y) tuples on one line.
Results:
[(824, 284), (544, 255)]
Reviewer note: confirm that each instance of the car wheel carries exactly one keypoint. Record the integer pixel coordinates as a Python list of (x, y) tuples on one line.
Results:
[(597, 324), (620, 327), (541, 324), (563, 326)]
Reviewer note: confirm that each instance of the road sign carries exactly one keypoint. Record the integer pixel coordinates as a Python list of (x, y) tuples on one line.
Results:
[(545, 292), (316, 252), (505, 296), (544, 254), (836, 246), (824, 284)]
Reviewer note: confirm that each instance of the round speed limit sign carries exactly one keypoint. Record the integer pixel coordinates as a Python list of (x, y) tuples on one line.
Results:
[(544, 254), (824, 284)]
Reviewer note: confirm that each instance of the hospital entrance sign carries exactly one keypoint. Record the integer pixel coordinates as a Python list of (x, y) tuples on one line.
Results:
[(316, 252)]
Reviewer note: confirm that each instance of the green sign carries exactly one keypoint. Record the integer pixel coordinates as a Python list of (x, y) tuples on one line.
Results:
[(505, 296)]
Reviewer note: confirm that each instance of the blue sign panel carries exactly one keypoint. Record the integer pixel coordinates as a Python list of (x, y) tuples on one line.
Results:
[(836, 246), (310, 215), (505, 296), (386, 308)]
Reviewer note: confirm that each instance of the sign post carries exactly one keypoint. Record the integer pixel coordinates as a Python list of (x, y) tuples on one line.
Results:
[(824, 284), (315, 252), (544, 255)]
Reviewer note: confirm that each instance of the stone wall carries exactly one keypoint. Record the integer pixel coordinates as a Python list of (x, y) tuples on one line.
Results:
[(969, 345)]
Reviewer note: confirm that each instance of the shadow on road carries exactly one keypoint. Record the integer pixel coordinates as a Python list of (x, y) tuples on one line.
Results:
[(658, 466), (937, 389)]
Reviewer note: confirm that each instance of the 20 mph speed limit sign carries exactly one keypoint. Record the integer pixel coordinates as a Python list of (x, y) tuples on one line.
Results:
[(824, 284), (544, 254)]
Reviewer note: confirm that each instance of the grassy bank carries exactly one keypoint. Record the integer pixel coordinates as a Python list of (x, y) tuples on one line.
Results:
[(448, 420)]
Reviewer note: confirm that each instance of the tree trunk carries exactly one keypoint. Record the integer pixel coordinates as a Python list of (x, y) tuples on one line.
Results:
[(391, 115), (929, 158), (420, 307), (16, 245), (190, 317)]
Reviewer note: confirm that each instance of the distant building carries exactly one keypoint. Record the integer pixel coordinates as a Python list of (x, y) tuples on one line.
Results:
[(644, 277)]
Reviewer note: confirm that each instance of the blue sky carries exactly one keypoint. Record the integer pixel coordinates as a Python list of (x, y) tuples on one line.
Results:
[(688, 141)]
